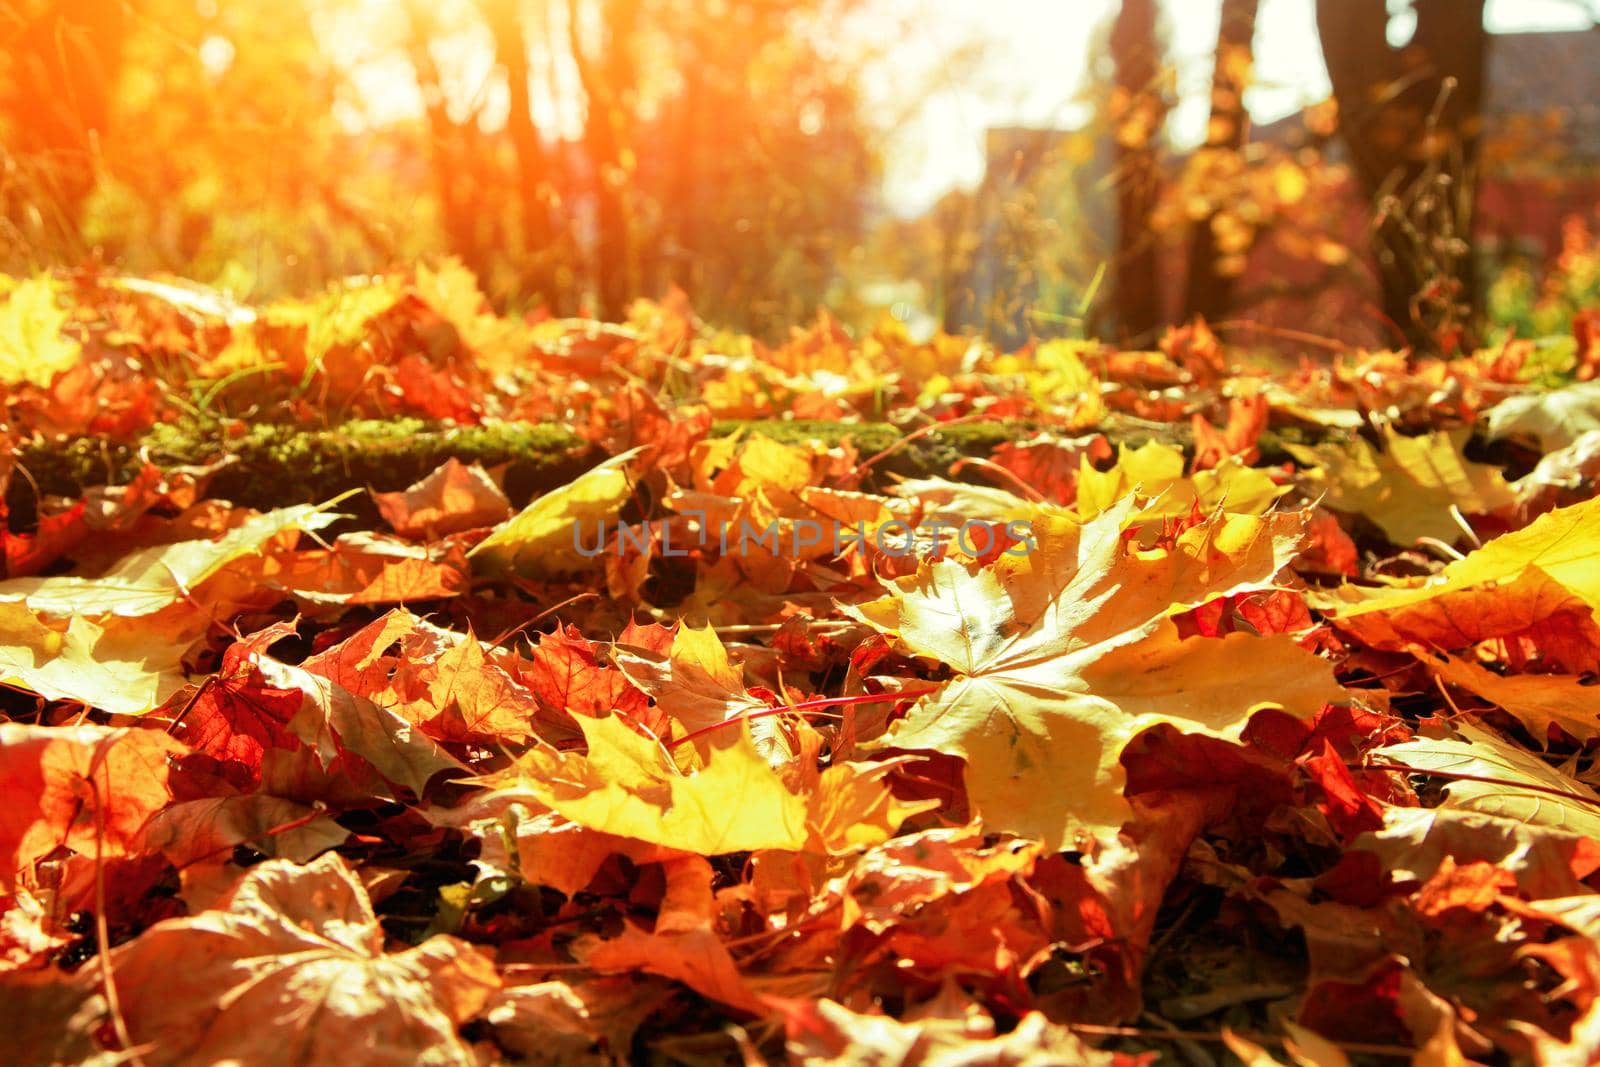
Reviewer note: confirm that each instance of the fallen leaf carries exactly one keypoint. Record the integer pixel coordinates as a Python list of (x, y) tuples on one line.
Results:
[(334, 722), (89, 788), (455, 497), (1501, 779), (567, 674), (628, 786), (209, 829), (556, 1023), (1559, 545), (234, 716), (1250, 1054), (298, 953), (825, 1033), (1414, 842), (1539, 701), (125, 670), (1307, 1048), (1532, 614), (684, 945), (365, 568), (1552, 419), (1409, 488), (150, 579), (31, 319), (696, 686), (561, 531), (1156, 472), (1063, 656)]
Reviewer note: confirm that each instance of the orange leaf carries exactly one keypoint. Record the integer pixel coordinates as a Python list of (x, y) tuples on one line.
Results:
[(453, 498), (89, 788)]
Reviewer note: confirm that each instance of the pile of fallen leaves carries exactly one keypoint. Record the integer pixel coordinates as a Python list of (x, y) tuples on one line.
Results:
[(1177, 753)]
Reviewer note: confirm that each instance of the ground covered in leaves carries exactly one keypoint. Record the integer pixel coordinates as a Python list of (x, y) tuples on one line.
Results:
[(629, 697)]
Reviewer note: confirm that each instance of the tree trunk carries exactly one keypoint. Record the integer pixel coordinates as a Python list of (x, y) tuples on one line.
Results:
[(606, 86), (452, 161), (1412, 119), (955, 278), (1138, 109), (680, 265), (533, 203), (1209, 290)]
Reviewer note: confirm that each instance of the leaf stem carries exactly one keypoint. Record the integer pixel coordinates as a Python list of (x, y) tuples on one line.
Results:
[(1150, 1034), (1458, 776), (801, 708), (102, 928), (856, 475)]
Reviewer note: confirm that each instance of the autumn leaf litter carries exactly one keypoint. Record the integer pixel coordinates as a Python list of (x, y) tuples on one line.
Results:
[(1261, 719)]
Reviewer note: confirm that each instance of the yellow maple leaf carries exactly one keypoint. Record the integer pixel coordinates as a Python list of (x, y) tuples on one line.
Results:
[(697, 685), (1060, 381), (127, 673), (1063, 656), (630, 787), (452, 290), (1409, 488), (851, 808), (627, 785), (24, 638), (149, 579), (31, 346), (116, 642), (337, 317), (1155, 472), (1559, 545), (543, 538)]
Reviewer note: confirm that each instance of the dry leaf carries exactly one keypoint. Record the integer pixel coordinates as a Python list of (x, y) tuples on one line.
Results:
[(297, 953)]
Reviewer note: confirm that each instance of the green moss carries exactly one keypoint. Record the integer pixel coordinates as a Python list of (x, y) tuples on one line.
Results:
[(1272, 443), (66, 468), (933, 453), (930, 454), (869, 437), (276, 464)]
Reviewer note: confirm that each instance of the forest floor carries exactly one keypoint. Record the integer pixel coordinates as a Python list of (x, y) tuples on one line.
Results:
[(391, 681)]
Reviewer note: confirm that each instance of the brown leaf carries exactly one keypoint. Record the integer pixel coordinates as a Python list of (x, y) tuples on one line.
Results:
[(683, 946), (827, 1034), (296, 953), (559, 1023), (334, 722), (88, 788), (453, 498), (449, 684)]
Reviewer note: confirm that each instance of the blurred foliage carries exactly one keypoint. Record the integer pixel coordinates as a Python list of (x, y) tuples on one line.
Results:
[(1021, 255), (571, 154), (1523, 302), (575, 154)]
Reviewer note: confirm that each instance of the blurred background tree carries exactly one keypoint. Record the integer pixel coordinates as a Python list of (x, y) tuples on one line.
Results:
[(1412, 119), (573, 154), (1137, 110), (1213, 263), (577, 154)]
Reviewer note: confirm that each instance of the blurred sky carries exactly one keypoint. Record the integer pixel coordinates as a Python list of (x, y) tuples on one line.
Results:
[(1035, 60)]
